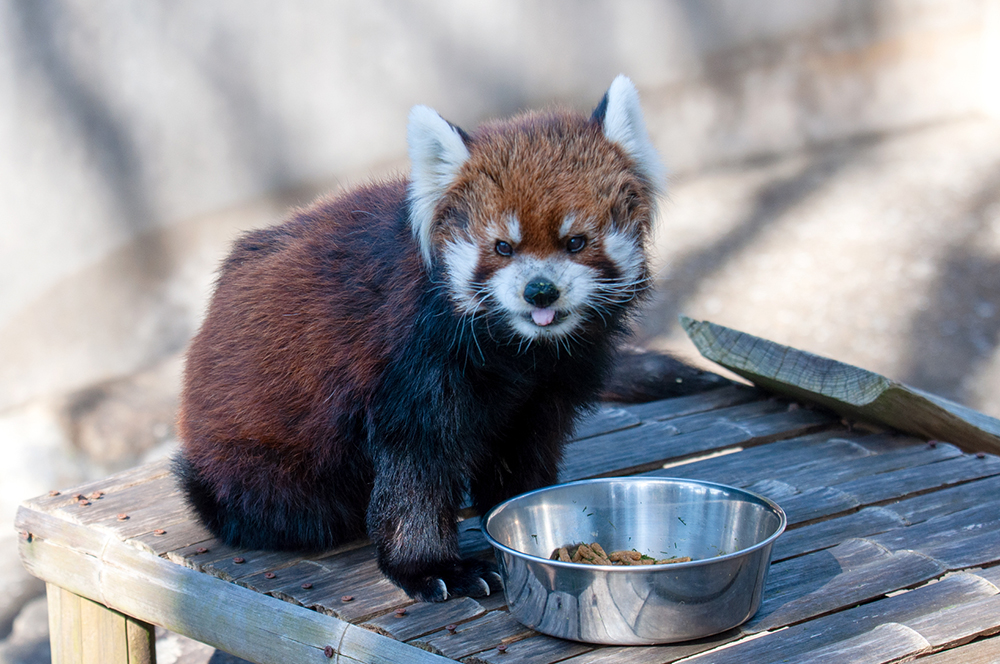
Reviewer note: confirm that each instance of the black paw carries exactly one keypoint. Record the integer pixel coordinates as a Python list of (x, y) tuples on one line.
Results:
[(469, 578)]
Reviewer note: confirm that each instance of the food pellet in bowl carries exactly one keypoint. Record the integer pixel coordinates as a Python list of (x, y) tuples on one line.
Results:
[(594, 554)]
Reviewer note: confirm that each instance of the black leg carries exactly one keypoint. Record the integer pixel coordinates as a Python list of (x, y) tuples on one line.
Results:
[(411, 520)]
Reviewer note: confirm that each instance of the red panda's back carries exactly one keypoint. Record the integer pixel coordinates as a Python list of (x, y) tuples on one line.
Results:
[(304, 318)]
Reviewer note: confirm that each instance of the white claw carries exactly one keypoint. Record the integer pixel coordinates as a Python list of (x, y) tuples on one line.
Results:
[(444, 588), (486, 586)]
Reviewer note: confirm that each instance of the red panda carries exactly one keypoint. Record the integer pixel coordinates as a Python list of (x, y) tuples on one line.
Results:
[(379, 355)]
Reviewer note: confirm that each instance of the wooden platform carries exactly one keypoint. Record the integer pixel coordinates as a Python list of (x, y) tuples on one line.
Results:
[(890, 554)]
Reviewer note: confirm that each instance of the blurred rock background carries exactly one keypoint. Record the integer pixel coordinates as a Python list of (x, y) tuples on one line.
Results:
[(835, 184)]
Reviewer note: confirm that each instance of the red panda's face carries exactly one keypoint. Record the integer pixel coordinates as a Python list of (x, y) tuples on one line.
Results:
[(545, 224), (541, 219)]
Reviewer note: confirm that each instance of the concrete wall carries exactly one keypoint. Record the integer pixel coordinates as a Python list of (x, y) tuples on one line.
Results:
[(136, 138)]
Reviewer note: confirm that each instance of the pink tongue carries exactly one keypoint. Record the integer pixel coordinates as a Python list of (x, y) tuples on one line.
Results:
[(543, 317)]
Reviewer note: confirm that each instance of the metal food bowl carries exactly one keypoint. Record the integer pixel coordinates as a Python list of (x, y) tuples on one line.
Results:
[(728, 533)]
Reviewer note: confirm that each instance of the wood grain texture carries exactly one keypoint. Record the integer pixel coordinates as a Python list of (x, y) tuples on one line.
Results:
[(654, 654), (225, 615), (847, 574), (85, 632), (851, 391), (985, 651), (651, 444), (870, 514), (824, 534), (423, 618), (104, 634), (888, 642), (65, 625), (476, 636), (723, 397), (141, 640), (533, 650), (797, 642), (608, 418)]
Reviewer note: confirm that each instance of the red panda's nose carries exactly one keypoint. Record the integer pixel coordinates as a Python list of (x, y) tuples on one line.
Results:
[(541, 292)]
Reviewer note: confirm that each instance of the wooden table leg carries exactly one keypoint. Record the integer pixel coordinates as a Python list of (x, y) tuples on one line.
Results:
[(85, 632)]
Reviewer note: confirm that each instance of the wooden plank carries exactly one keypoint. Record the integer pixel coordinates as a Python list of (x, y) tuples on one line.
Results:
[(65, 625), (963, 539), (286, 583), (342, 595), (538, 649), (889, 441), (795, 578), (280, 631), (197, 555), (104, 634), (85, 632), (723, 397), (355, 574), (224, 615), (370, 598), (247, 562), (423, 618), (948, 500), (757, 463), (830, 472), (647, 446), (607, 419), (493, 602), (810, 504), (991, 574), (796, 642), (958, 525), (653, 654), (824, 534), (956, 625), (115, 482), (827, 501), (984, 651), (787, 423), (476, 636), (33, 523), (743, 412), (644, 446), (905, 481), (851, 391), (141, 641), (888, 642), (180, 532), (847, 574)]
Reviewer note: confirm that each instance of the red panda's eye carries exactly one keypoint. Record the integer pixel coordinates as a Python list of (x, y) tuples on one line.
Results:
[(576, 243), (504, 248)]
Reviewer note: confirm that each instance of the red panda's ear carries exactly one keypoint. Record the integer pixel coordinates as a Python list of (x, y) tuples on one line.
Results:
[(620, 116), (437, 151)]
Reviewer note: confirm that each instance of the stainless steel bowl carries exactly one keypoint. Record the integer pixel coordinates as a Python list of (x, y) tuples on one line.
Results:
[(728, 532)]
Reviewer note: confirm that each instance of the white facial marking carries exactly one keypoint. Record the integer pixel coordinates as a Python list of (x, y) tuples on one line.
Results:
[(461, 258), (573, 225), (508, 229), (624, 251), (513, 228), (576, 284), (567, 226)]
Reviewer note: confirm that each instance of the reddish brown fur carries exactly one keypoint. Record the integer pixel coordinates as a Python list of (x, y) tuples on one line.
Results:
[(336, 387), (283, 297), (551, 164)]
